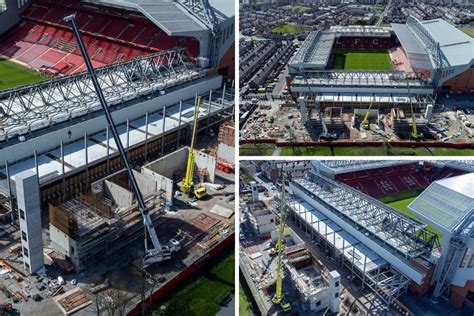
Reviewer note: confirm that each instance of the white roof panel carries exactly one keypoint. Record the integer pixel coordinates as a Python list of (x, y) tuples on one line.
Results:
[(446, 203)]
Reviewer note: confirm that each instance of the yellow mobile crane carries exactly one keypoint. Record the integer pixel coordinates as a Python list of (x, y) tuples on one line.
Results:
[(187, 185), (414, 130), (280, 247), (365, 122)]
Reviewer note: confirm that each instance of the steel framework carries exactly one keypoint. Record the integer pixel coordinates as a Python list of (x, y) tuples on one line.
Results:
[(365, 78), (457, 248), (467, 165), (356, 165), (408, 238), (385, 282), (431, 45), (30, 108)]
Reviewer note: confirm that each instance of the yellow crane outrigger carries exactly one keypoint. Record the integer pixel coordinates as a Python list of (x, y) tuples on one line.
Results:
[(187, 185), (280, 247), (365, 122)]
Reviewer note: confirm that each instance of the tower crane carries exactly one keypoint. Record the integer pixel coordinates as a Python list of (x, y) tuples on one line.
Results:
[(365, 122), (280, 247), (414, 130), (155, 252), (187, 185)]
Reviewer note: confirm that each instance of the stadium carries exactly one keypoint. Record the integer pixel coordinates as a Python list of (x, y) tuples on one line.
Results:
[(396, 226), (397, 70), (152, 61)]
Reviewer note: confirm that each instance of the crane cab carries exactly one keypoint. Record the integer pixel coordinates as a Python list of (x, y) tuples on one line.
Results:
[(285, 305), (200, 192)]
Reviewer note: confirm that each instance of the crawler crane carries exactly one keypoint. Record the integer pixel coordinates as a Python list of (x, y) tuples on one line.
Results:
[(187, 185), (157, 252), (280, 247)]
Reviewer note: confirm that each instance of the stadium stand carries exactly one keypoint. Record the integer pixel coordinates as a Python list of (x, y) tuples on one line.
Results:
[(395, 179), (44, 42)]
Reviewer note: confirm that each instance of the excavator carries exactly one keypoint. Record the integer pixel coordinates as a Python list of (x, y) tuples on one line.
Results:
[(187, 185), (157, 252), (278, 298)]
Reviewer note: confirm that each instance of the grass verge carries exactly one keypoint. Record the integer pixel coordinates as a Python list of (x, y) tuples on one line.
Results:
[(289, 29), (201, 295), (468, 30)]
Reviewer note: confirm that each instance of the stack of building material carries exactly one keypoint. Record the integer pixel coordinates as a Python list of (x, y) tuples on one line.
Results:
[(72, 301), (226, 147)]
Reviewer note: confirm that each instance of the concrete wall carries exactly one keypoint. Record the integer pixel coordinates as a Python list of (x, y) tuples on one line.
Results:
[(164, 170), (121, 197), (226, 153), (60, 242), (31, 231), (146, 183), (208, 162), (162, 183), (161, 171), (48, 141), (11, 17)]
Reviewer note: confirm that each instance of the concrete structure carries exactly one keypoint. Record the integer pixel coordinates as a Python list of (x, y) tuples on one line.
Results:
[(94, 225), (365, 232), (262, 219), (294, 169), (334, 289), (169, 170), (29, 209), (10, 13), (253, 187)]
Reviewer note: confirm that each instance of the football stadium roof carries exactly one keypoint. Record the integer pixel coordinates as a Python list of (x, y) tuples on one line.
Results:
[(178, 17), (422, 38), (446, 203), (342, 166), (315, 51)]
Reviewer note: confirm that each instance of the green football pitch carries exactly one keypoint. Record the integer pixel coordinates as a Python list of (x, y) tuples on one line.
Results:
[(363, 60), (14, 75), (401, 201)]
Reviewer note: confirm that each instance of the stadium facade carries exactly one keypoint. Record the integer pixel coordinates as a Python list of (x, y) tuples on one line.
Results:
[(435, 57), (152, 61), (389, 251)]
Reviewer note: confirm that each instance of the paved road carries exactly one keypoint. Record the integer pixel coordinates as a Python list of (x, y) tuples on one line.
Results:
[(228, 310)]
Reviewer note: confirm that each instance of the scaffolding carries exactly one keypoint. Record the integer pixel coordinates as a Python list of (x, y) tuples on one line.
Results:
[(97, 228)]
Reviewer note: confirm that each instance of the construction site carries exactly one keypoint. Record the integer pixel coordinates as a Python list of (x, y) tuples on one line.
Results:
[(116, 184), (340, 230), (89, 243), (333, 89)]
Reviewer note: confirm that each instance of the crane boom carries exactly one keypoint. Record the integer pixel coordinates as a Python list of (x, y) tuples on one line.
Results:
[(365, 123), (157, 253), (187, 184), (414, 130), (280, 246)]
